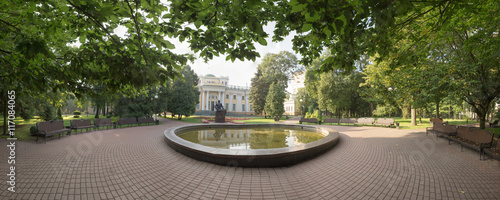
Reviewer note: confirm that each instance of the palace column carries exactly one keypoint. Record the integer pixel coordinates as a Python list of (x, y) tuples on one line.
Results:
[(206, 102), (238, 103), (224, 99), (202, 99), (219, 95)]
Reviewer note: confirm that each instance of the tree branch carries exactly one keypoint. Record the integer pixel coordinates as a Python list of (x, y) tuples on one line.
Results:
[(8, 24), (99, 24), (137, 29)]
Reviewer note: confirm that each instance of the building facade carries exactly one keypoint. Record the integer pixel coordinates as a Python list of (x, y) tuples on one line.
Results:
[(233, 98), (291, 104)]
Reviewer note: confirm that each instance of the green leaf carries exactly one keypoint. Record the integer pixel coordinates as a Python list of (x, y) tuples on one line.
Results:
[(262, 41), (327, 31), (169, 45), (306, 27), (106, 11), (82, 39), (298, 8), (198, 23)]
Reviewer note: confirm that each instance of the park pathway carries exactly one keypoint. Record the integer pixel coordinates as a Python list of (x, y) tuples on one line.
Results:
[(136, 163)]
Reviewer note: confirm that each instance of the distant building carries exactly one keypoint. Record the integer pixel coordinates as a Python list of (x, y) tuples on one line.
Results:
[(233, 98), (290, 104)]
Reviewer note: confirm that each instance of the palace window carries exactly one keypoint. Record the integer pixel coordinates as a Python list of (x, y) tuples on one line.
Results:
[(251, 107), (243, 107), (234, 96), (227, 96), (234, 107), (242, 97), (227, 106)]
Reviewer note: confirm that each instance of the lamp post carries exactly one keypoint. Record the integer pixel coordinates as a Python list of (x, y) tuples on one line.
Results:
[(302, 108), (156, 107)]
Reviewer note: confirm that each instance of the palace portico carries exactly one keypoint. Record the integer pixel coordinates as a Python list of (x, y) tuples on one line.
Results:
[(233, 98)]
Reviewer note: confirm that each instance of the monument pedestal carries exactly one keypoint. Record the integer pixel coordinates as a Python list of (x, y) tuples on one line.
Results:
[(220, 116)]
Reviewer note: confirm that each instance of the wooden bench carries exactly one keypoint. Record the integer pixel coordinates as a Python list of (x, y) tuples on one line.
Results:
[(494, 124), (385, 122), (127, 121), (308, 120), (442, 130), (370, 120), (81, 124), (147, 120), (51, 128), (494, 152), (331, 120), (104, 122), (473, 138), (348, 121)]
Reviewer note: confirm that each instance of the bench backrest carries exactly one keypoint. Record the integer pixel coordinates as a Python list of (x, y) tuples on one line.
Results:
[(127, 121), (385, 120), (310, 120), (348, 120), (366, 120), (436, 120), (105, 121), (81, 122), (50, 125), (146, 120), (331, 120), (474, 134), (448, 128)]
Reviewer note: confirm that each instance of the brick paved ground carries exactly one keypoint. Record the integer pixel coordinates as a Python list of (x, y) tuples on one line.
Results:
[(136, 163)]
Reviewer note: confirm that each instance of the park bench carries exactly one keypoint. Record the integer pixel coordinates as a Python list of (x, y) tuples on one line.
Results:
[(494, 124), (147, 120), (442, 130), (494, 152), (103, 123), (331, 120), (473, 138), (51, 128), (81, 124), (308, 120), (385, 122), (127, 121), (348, 121), (366, 121)]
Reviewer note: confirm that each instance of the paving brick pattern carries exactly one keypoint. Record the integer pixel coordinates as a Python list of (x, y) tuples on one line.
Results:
[(136, 163)]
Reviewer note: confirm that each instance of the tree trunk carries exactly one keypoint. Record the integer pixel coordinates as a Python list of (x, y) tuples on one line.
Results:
[(413, 116), (96, 112), (437, 109), (371, 109)]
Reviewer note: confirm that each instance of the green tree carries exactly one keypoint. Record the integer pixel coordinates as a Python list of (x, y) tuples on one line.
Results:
[(275, 100), (258, 92), (185, 94), (275, 68)]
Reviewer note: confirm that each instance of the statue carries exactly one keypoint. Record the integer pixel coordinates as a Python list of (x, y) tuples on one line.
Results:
[(220, 113), (218, 106)]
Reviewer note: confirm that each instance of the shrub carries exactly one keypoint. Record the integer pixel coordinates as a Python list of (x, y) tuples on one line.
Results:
[(48, 112), (33, 130), (76, 116), (77, 113)]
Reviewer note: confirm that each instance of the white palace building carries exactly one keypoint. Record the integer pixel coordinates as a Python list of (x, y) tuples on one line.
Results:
[(233, 98)]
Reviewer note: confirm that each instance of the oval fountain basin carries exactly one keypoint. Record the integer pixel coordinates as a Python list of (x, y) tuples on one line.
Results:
[(251, 145)]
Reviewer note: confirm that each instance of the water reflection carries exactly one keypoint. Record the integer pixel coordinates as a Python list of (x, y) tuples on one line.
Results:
[(255, 138)]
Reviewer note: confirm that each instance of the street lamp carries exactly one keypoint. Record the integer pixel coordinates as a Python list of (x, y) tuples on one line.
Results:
[(156, 107), (302, 108)]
